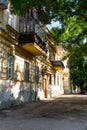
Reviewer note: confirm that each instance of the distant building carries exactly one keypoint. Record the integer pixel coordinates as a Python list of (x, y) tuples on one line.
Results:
[(30, 62)]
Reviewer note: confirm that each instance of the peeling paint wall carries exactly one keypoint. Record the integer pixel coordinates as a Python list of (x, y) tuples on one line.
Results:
[(14, 93)]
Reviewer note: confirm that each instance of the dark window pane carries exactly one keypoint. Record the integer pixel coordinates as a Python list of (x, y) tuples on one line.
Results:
[(9, 69), (26, 71)]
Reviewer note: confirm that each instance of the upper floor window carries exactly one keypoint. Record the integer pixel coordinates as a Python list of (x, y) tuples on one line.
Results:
[(10, 20), (26, 71), (9, 69), (3, 4), (58, 58)]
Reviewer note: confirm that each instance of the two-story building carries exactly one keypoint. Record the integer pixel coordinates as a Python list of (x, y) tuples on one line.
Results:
[(31, 65)]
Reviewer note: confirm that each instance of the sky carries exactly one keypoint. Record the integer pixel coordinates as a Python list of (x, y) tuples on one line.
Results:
[(53, 24)]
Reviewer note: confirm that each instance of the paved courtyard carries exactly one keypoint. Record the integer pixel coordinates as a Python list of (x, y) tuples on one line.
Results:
[(68, 112)]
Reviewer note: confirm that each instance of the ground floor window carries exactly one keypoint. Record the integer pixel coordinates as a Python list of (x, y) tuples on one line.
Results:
[(37, 74), (26, 71), (50, 79), (58, 80), (54, 79), (9, 68)]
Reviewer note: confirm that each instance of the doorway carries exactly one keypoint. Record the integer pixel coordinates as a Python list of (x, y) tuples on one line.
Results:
[(45, 88)]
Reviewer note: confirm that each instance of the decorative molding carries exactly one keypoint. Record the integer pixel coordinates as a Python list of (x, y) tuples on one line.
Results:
[(4, 34)]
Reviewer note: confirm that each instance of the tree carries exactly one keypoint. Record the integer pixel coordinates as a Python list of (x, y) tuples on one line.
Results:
[(60, 9), (73, 38), (42, 7)]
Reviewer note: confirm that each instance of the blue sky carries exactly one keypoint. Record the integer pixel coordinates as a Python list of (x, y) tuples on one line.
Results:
[(53, 24)]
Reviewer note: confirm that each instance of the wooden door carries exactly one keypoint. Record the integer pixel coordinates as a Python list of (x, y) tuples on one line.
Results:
[(45, 88)]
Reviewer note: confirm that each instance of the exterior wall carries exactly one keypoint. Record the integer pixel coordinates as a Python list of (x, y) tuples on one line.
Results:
[(57, 87), (7, 19), (42, 81), (15, 90), (66, 77)]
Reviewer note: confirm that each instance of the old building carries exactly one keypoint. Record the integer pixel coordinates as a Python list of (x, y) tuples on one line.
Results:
[(30, 62)]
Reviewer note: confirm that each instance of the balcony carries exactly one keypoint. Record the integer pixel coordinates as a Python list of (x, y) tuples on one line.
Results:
[(32, 37), (32, 43), (3, 4), (57, 65)]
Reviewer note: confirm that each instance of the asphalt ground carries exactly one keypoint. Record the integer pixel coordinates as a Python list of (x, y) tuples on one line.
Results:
[(67, 112)]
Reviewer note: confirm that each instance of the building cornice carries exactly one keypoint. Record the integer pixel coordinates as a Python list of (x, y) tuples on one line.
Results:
[(13, 41), (5, 35)]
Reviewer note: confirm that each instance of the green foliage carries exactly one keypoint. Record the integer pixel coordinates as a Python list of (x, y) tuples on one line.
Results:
[(20, 7), (72, 39), (73, 17), (59, 9)]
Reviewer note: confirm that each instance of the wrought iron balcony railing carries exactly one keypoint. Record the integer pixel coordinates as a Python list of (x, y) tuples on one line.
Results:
[(30, 26), (31, 34)]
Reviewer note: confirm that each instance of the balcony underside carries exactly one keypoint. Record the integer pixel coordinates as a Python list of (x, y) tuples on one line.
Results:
[(32, 43), (57, 65), (3, 4), (33, 49), (46, 71), (66, 74)]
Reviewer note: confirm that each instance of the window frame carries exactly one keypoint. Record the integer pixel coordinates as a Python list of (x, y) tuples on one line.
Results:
[(58, 80), (50, 79), (26, 71), (37, 74), (10, 67)]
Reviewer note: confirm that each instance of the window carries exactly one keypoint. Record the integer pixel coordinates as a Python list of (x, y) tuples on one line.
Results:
[(54, 79), (37, 74), (50, 79), (26, 71), (9, 69), (58, 80)]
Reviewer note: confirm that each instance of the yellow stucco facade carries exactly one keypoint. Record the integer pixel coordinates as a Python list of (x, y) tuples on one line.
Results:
[(29, 70)]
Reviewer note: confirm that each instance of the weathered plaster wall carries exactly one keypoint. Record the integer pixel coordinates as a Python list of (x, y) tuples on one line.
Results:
[(14, 93), (16, 90), (66, 78)]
